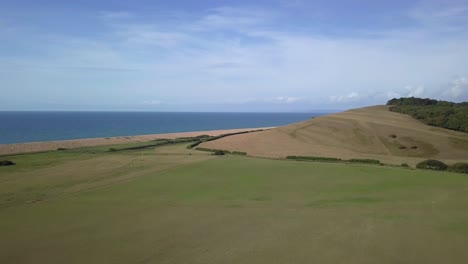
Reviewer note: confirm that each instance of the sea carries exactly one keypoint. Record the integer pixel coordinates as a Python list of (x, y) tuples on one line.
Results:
[(21, 127)]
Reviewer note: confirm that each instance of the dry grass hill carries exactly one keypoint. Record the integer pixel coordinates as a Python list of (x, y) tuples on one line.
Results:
[(370, 132)]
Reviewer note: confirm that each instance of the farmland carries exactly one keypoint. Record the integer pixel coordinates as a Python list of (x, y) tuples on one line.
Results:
[(170, 204)]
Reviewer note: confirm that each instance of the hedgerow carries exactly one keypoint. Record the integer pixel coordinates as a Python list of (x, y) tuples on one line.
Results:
[(460, 167)]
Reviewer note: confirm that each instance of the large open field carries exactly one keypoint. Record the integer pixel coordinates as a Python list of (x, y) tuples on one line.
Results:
[(173, 205)]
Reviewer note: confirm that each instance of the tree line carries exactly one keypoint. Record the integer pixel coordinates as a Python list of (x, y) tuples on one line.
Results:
[(432, 112)]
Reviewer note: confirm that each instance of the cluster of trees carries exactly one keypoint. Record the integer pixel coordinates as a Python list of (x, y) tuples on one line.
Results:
[(432, 112), (432, 165), (460, 167)]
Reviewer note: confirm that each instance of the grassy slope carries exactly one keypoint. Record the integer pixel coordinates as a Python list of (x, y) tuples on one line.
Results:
[(358, 133), (231, 210), (43, 176)]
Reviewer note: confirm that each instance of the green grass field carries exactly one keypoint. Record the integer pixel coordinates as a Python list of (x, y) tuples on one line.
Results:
[(174, 205)]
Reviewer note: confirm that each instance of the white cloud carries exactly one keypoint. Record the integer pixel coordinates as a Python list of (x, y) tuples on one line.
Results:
[(115, 15), (440, 16), (414, 91), (241, 101), (275, 100), (285, 99), (149, 35), (390, 95), (345, 98), (235, 19), (261, 60), (458, 89), (407, 91), (152, 102), (292, 3)]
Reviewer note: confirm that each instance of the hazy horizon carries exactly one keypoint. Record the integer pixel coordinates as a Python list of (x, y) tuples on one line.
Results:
[(229, 56)]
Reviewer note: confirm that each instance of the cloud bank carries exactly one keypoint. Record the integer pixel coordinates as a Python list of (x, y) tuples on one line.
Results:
[(223, 55)]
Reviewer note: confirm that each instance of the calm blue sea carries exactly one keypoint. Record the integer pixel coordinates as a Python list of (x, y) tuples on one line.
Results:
[(19, 127)]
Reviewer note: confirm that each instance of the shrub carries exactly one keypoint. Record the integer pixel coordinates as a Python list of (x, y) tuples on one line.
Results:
[(112, 149), (191, 146), (432, 165), (393, 136), (402, 147), (460, 167), (205, 149), (59, 149), (239, 153), (312, 158), (7, 163), (161, 139), (219, 152), (405, 165), (414, 147), (368, 161)]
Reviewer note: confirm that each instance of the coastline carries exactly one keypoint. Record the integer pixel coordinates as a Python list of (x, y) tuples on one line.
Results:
[(31, 147)]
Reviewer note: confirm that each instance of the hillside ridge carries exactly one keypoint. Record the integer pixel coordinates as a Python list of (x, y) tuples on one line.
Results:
[(370, 132)]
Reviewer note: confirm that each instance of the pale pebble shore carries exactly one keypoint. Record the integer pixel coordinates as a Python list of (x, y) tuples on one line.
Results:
[(7, 149)]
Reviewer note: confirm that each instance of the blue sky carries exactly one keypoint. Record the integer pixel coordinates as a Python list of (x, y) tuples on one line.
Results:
[(229, 55)]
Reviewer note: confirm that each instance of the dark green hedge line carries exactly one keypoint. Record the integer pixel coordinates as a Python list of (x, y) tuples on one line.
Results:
[(157, 143), (200, 137), (311, 158), (197, 140), (205, 149), (368, 161), (239, 153), (460, 167), (206, 138), (218, 151), (191, 146)]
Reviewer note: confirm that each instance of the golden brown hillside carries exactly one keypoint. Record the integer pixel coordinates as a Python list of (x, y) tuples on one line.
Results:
[(371, 132)]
